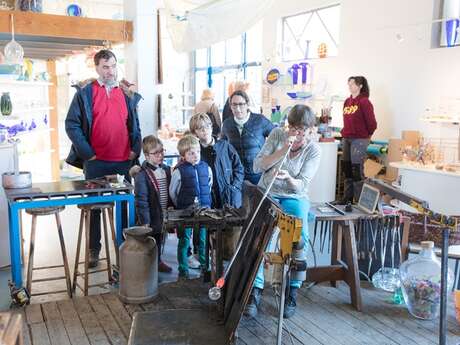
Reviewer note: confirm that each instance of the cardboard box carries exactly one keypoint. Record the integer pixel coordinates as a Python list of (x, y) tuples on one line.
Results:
[(395, 149), (411, 138), (372, 168)]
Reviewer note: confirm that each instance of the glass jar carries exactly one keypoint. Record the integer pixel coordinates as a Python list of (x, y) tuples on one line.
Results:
[(421, 283)]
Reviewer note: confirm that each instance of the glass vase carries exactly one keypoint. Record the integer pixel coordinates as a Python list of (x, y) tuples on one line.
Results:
[(6, 107), (421, 283)]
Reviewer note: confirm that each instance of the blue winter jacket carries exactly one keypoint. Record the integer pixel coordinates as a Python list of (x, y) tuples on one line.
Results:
[(229, 174), (79, 120), (250, 142), (194, 183), (147, 201)]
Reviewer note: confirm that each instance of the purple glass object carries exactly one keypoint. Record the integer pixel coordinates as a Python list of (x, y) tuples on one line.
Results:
[(3, 135), (304, 65), (32, 125), (295, 74), (45, 119), (451, 31), (15, 129)]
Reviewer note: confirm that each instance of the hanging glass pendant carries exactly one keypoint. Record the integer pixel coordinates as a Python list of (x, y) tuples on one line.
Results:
[(14, 53)]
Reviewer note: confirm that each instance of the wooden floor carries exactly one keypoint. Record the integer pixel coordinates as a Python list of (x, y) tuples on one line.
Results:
[(324, 316)]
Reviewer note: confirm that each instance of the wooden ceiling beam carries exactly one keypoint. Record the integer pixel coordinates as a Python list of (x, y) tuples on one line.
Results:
[(49, 25)]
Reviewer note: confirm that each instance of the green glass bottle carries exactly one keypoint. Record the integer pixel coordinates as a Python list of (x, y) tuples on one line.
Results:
[(398, 296)]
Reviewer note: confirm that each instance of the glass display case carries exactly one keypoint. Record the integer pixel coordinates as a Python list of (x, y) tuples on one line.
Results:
[(29, 122)]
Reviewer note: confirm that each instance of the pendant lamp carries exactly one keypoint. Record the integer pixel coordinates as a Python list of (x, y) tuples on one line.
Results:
[(14, 53)]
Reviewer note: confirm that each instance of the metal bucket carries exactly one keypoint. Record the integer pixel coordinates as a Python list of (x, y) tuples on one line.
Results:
[(138, 266), (22, 180)]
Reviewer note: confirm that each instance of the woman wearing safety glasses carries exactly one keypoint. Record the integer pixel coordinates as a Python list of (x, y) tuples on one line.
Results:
[(290, 188)]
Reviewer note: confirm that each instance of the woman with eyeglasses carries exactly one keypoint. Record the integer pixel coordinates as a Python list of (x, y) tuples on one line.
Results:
[(247, 132), (358, 126), (291, 185)]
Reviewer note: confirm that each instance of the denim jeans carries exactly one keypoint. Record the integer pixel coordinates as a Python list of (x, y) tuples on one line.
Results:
[(97, 168), (184, 236)]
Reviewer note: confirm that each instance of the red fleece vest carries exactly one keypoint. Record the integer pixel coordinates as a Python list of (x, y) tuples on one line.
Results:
[(109, 132)]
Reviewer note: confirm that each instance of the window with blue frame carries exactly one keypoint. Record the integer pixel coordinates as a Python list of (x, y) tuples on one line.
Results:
[(235, 59)]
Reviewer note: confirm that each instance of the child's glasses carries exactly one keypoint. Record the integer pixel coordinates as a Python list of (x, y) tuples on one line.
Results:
[(157, 152)]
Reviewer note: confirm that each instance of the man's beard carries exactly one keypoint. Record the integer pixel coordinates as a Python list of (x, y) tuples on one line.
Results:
[(110, 82)]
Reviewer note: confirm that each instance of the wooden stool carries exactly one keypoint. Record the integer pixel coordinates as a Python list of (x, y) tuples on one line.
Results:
[(46, 211), (85, 221)]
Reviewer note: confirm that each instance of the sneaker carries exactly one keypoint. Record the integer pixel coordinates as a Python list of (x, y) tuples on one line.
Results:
[(193, 263), (93, 258), (162, 267), (291, 303), (253, 303), (184, 276)]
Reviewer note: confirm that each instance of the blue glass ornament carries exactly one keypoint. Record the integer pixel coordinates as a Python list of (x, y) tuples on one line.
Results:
[(74, 10)]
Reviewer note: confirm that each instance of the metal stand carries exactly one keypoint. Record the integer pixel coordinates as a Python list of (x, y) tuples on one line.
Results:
[(279, 335), (444, 270)]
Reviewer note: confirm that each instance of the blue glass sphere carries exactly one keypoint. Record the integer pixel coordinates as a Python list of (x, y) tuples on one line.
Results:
[(74, 10)]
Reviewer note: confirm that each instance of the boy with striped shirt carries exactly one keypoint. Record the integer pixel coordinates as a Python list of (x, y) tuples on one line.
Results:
[(151, 192)]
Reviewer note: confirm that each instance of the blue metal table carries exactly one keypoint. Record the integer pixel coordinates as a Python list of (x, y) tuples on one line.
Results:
[(63, 193)]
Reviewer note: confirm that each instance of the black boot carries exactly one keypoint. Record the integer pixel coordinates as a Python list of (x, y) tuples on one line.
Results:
[(291, 303), (93, 258), (347, 192), (253, 303)]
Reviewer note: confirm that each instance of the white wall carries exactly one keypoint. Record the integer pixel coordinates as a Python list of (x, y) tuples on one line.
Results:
[(104, 9), (141, 57), (405, 77)]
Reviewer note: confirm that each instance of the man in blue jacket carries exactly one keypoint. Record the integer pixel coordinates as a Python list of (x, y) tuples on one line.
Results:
[(103, 125)]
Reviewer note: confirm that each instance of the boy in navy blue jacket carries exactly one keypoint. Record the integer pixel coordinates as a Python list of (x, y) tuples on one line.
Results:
[(224, 161), (191, 183), (152, 192)]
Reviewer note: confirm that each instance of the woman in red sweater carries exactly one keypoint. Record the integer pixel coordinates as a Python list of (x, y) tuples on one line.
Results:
[(358, 126)]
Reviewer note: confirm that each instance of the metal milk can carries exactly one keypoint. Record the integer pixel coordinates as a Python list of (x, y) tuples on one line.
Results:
[(138, 266)]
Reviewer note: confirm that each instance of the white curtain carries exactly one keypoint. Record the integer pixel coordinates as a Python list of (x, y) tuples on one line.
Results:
[(201, 23)]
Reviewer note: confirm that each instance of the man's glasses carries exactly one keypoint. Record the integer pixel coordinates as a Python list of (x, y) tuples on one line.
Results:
[(238, 105), (157, 152)]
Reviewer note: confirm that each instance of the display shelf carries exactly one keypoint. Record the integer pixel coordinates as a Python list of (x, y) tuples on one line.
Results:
[(453, 121), (24, 83), (15, 115), (6, 146), (33, 132), (33, 154)]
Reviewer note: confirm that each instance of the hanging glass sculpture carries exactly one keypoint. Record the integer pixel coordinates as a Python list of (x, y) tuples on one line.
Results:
[(30, 5), (14, 53)]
